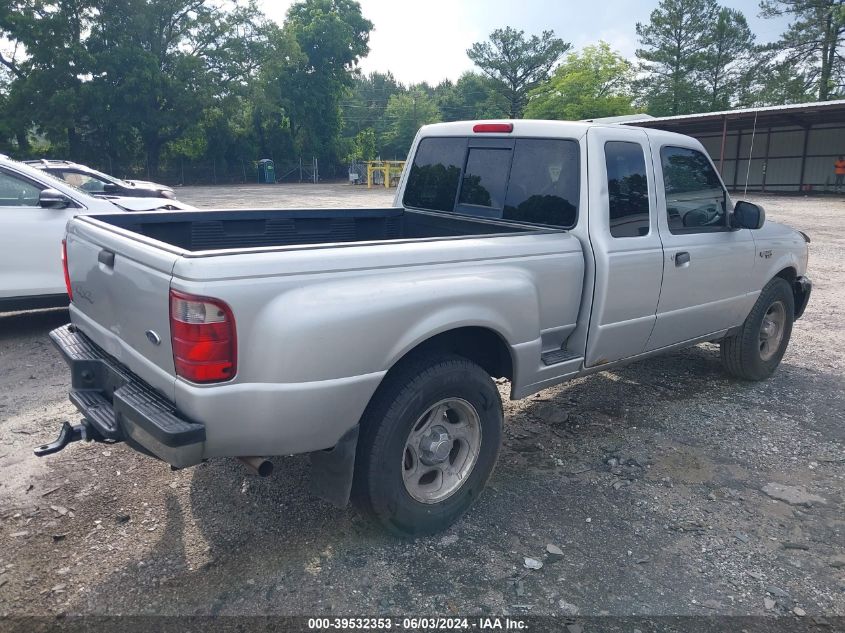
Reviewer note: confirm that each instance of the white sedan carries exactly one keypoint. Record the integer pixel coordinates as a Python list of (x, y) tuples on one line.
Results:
[(34, 209)]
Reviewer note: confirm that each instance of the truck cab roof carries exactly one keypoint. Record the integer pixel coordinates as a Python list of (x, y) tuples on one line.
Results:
[(534, 128)]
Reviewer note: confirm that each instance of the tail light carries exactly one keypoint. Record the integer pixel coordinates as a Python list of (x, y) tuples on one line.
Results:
[(202, 332), (64, 267)]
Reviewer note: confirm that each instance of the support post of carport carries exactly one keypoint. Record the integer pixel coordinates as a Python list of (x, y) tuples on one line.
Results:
[(736, 158), (722, 148), (804, 157), (766, 159)]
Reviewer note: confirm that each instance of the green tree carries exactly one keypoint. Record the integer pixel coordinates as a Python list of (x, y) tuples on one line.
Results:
[(593, 83), (516, 63), (158, 64), (473, 96), (673, 47), (407, 113), (363, 146), (728, 58), (333, 36), (48, 64), (267, 104), (813, 43), (770, 83), (365, 103)]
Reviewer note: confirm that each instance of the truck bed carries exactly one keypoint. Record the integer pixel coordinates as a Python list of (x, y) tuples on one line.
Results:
[(236, 229)]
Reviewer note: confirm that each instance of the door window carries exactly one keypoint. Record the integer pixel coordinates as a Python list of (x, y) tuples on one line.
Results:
[(544, 182), (435, 174), (695, 199), (17, 192), (627, 189)]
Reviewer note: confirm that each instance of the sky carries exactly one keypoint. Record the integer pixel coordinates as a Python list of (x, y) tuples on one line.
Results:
[(426, 40)]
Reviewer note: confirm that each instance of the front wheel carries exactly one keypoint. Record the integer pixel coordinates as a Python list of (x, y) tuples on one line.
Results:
[(757, 349), (429, 442)]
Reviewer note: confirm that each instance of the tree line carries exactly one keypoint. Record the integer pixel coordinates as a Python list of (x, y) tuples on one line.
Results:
[(139, 86)]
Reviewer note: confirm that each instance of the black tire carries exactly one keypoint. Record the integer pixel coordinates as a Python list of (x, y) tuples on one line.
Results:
[(742, 354), (410, 390)]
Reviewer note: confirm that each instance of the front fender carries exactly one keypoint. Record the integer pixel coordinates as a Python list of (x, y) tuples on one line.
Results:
[(777, 247)]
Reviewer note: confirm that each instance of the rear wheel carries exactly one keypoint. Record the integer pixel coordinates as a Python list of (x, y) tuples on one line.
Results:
[(757, 349), (429, 442)]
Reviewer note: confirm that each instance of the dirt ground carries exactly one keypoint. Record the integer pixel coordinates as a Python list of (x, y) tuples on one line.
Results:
[(649, 479)]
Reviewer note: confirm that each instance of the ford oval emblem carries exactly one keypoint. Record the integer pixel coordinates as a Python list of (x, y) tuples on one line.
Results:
[(154, 338)]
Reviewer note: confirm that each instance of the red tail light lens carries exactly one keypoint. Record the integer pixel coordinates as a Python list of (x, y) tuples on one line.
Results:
[(202, 333), (500, 128), (64, 267)]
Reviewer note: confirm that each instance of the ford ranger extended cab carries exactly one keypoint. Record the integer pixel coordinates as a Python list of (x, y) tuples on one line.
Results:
[(537, 251)]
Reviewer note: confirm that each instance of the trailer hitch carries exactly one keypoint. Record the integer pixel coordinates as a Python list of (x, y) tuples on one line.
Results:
[(68, 434)]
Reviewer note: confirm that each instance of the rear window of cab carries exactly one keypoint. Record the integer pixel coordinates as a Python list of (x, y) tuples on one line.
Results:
[(530, 180)]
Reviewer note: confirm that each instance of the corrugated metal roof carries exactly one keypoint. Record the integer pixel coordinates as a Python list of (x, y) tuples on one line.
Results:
[(780, 109), (795, 115)]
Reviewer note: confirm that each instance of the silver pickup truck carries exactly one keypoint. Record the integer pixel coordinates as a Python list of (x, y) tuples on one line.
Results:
[(536, 251)]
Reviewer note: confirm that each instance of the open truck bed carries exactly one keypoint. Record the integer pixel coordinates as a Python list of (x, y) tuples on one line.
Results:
[(236, 229)]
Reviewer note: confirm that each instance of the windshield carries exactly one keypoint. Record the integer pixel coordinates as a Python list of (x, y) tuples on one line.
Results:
[(45, 177), (86, 181), (107, 177)]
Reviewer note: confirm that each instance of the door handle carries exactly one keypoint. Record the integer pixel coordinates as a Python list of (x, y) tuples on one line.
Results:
[(682, 259), (106, 258)]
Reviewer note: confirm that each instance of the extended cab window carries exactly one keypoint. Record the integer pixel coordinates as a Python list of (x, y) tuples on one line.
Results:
[(544, 182), (627, 189), (435, 174), (526, 180), (695, 199)]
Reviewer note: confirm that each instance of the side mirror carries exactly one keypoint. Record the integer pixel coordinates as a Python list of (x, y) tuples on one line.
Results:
[(53, 199), (110, 188), (748, 215)]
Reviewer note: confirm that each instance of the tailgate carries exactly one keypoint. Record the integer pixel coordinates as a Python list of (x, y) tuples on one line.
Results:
[(121, 292)]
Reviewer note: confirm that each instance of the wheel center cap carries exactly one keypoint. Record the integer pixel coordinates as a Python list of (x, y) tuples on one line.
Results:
[(769, 328), (436, 445)]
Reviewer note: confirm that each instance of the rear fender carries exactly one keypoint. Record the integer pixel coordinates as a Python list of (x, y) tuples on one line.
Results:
[(356, 326)]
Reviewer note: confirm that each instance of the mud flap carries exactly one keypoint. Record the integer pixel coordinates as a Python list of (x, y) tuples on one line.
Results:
[(331, 470), (801, 289)]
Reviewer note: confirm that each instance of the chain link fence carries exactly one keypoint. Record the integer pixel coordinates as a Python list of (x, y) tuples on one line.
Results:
[(219, 172)]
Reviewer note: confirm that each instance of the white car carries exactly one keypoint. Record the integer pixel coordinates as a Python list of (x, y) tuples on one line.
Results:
[(34, 209)]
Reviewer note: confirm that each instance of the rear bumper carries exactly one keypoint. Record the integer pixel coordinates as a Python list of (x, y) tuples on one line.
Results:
[(119, 406), (801, 288)]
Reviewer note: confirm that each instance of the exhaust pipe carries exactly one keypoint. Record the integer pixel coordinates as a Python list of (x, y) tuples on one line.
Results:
[(260, 466)]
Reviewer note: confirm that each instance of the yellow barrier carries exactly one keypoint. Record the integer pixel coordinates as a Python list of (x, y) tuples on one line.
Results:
[(390, 170)]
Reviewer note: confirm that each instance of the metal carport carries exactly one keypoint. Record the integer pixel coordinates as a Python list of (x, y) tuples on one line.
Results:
[(788, 148)]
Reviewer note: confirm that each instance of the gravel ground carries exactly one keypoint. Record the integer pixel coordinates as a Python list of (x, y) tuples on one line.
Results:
[(286, 196), (651, 480)]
